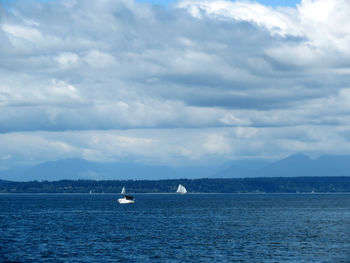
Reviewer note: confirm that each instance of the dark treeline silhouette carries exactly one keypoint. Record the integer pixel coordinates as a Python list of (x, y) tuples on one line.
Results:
[(237, 185)]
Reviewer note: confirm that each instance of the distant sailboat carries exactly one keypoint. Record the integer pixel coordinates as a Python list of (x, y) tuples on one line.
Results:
[(127, 199), (181, 189)]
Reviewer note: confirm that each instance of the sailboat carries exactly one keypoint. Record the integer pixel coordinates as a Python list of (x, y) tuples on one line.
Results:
[(127, 199), (181, 189)]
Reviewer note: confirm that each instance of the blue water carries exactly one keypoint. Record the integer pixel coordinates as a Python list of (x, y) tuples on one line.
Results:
[(172, 228)]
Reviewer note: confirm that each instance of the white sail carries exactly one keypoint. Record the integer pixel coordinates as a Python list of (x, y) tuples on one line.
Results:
[(181, 189), (123, 191)]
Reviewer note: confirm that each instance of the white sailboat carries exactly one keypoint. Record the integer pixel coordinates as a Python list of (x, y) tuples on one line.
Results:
[(181, 189), (127, 199)]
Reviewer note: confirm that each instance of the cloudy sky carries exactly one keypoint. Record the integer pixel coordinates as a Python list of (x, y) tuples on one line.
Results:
[(173, 82)]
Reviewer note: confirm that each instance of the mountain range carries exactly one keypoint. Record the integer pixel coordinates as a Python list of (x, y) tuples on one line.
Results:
[(292, 166)]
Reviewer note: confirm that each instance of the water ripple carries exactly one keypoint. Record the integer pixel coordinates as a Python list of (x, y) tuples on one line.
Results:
[(171, 228)]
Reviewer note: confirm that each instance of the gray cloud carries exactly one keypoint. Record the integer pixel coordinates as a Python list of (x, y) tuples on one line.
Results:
[(103, 66)]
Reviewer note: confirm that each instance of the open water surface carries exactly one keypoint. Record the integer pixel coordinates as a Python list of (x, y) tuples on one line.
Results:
[(173, 228)]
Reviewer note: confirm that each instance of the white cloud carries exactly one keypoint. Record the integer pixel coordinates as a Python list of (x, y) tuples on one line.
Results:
[(105, 80), (277, 21), (26, 33), (323, 23), (97, 59), (231, 119), (246, 132), (67, 59), (217, 144)]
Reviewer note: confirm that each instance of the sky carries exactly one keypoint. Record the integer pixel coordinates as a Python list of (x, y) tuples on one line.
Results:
[(273, 3), (189, 82)]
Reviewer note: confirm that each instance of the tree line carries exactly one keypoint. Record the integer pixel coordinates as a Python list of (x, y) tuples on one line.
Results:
[(232, 185)]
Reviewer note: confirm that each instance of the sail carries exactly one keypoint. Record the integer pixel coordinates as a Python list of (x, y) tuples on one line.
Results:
[(123, 191), (181, 189)]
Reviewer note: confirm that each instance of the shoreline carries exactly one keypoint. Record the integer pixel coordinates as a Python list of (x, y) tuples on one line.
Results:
[(118, 194)]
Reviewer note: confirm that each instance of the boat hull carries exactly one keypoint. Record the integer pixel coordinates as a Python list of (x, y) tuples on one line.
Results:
[(125, 201)]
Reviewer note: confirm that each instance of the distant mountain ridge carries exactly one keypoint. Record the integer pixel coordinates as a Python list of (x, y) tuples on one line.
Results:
[(297, 165), (87, 170), (293, 166)]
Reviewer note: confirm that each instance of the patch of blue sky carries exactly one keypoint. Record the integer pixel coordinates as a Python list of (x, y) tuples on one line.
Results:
[(273, 3), (7, 3)]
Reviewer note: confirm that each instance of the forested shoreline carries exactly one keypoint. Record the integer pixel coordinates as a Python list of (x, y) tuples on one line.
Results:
[(233, 185)]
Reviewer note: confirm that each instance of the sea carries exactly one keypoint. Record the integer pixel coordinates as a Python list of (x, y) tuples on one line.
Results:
[(175, 228)]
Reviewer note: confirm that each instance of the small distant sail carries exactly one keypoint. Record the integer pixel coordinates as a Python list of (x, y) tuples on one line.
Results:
[(123, 191), (181, 189)]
